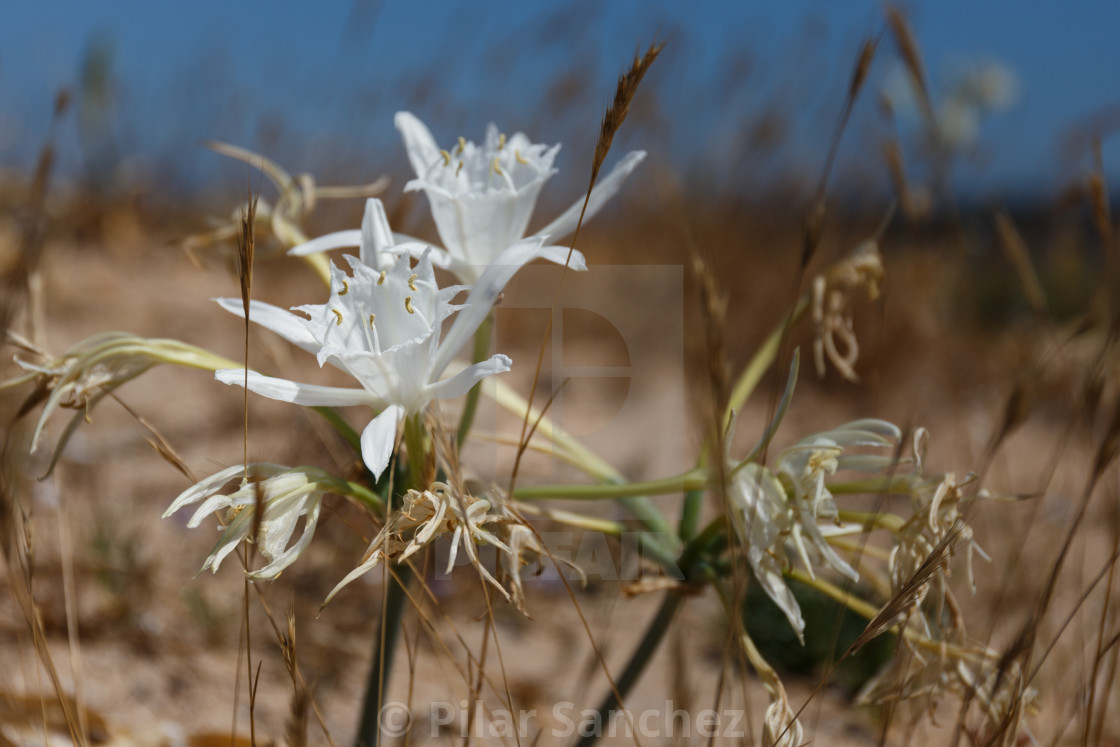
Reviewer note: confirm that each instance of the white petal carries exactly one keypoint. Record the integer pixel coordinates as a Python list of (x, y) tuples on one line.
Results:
[(308, 395), (461, 383), (291, 327), (336, 240), (376, 235), (203, 488), (559, 255), (374, 558), (604, 190), (286, 558), (481, 299), (378, 439), (418, 141)]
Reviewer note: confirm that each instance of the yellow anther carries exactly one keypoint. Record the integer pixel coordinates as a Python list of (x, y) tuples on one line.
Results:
[(381, 279), (462, 145), (412, 281), (446, 157), (501, 141), (496, 167), (459, 168), (338, 314), (408, 305), (519, 157), (372, 318), (345, 288)]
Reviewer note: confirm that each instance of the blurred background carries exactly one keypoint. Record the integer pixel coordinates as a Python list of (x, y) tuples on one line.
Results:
[(994, 109), (743, 102)]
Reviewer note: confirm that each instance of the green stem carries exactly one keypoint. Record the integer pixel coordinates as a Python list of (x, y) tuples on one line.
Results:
[(342, 427), (481, 350), (695, 479), (377, 682), (396, 597), (642, 655)]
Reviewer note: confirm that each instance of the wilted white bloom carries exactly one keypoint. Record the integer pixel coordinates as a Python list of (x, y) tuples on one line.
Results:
[(383, 327), (793, 504), (426, 515), (482, 196), (85, 373), (832, 309), (287, 494), (937, 521), (763, 520), (955, 668)]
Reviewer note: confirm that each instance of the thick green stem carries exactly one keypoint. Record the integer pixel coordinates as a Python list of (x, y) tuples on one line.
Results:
[(641, 657), (396, 597), (377, 682), (480, 353)]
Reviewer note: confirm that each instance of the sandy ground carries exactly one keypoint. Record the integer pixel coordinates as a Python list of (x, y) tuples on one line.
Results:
[(159, 657)]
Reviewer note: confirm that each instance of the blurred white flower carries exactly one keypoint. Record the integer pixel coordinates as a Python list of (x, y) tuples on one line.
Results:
[(382, 326), (482, 196), (287, 495), (93, 368)]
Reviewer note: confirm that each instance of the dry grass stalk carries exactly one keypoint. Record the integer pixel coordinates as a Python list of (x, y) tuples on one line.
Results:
[(616, 114), (911, 56), (1011, 241)]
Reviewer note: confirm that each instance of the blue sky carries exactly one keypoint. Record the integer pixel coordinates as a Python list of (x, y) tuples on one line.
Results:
[(317, 84)]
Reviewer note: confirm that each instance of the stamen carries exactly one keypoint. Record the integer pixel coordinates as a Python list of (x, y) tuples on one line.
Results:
[(407, 305), (501, 141), (345, 288), (372, 318), (338, 314), (462, 145), (459, 168), (381, 279), (412, 281), (495, 167), (519, 157), (446, 157)]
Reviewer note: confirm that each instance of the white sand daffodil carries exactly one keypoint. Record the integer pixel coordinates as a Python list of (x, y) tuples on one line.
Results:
[(793, 504), (482, 196), (383, 328), (287, 494)]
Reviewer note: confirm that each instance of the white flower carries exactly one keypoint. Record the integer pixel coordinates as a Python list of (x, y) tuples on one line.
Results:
[(804, 467), (482, 197), (382, 326), (790, 504), (287, 494), (762, 519)]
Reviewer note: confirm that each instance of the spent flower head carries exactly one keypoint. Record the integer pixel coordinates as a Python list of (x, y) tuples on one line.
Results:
[(93, 368), (427, 515)]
